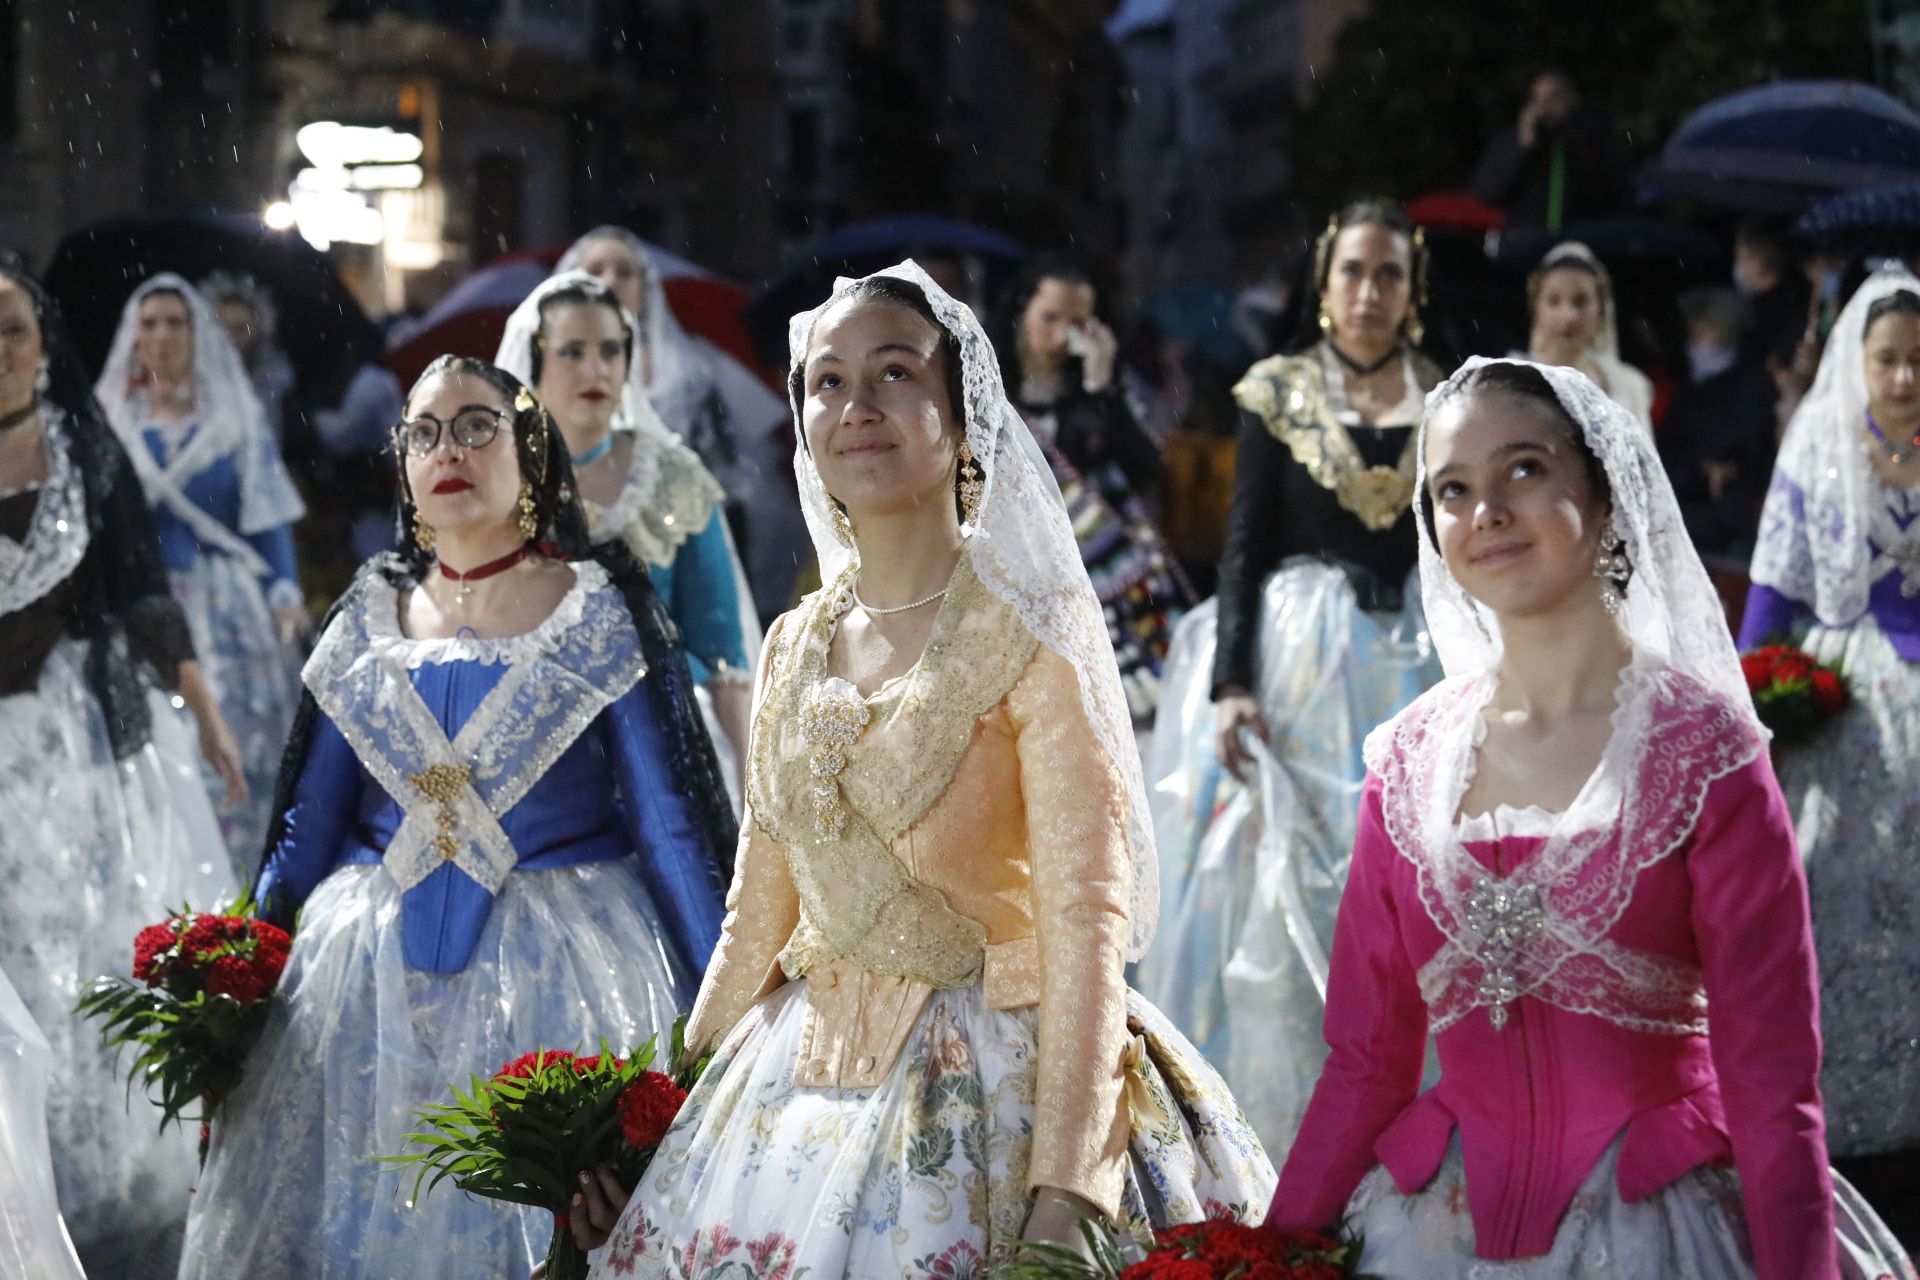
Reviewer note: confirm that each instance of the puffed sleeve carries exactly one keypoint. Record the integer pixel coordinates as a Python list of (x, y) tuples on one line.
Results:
[(1251, 552), (1376, 1027), (324, 806), (763, 909), (676, 861), (706, 601), (1756, 950), (1076, 830), (1783, 532), (1768, 616)]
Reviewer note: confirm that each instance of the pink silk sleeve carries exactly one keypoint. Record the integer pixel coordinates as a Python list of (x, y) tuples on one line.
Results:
[(1376, 1027), (1763, 1008)]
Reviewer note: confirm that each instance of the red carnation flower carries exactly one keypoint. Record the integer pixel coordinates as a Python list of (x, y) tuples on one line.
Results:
[(1792, 668), (148, 946), (1167, 1266), (1829, 692), (208, 934), (1757, 670), (647, 1108), (523, 1067), (270, 936), (236, 977), (268, 965), (592, 1062)]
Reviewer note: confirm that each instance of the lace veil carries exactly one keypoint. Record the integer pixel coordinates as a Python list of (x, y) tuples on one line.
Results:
[(635, 412), (231, 421), (1813, 530), (1023, 551)]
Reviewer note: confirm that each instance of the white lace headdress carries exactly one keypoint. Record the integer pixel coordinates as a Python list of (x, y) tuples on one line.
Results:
[(1813, 529), (1683, 720), (1023, 551), (675, 375), (635, 412), (231, 420)]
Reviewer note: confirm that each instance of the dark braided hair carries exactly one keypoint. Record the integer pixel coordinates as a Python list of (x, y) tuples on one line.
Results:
[(668, 683)]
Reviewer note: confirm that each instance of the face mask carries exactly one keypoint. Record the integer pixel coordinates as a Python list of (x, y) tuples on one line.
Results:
[(1707, 362)]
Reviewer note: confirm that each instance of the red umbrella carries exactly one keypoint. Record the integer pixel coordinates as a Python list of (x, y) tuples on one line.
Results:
[(1454, 211), (471, 318)]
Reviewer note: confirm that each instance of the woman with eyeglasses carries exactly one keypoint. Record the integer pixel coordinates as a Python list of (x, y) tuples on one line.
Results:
[(500, 825)]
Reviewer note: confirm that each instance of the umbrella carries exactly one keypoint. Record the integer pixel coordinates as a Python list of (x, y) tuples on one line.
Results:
[(1876, 222), (1454, 211), (1778, 146), (322, 328), (858, 249), (473, 315)]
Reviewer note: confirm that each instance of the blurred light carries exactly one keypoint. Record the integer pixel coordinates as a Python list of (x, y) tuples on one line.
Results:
[(386, 177), (279, 216), (326, 214), (332, 145), (414, 255)]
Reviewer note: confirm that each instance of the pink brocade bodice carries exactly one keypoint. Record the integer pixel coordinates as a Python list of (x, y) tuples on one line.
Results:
[(1538, 1100)]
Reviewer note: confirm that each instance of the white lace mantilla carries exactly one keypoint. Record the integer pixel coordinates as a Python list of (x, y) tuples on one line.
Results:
[(559, 677), (1541, 930), (57, 538)]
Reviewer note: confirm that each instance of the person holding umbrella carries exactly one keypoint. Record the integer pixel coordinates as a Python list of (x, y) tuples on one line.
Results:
[(176, 393)]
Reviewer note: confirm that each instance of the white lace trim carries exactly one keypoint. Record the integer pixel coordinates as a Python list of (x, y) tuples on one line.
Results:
[(1506, 822), (57, 537), (383, 626), (454, 792), (1672, 739)]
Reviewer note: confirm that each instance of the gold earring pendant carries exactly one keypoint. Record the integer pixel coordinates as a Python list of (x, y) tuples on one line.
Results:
[(1416, 328), (842, 526), (422, 532), (528, 521), (1326, 319), (973, 486)]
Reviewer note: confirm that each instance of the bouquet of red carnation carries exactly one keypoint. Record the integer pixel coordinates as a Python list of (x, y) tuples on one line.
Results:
[(1220, 1248), (524, 1135), (199, 997), (1793, 694)]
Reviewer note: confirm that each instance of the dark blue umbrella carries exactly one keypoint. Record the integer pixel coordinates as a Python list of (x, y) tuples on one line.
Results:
[(858, 249), (1779, 146), (1877, 222)]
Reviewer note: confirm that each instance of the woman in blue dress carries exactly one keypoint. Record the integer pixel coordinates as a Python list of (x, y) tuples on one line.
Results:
[(574, 344), (176, 393), (501, 825)]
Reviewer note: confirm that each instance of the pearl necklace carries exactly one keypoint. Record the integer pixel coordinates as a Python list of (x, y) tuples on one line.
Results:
[(854, 589)]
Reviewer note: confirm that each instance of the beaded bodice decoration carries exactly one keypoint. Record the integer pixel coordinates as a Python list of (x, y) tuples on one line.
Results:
[(836, 779)]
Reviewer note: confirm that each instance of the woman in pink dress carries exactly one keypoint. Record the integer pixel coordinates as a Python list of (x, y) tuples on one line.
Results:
[(1574, 870)]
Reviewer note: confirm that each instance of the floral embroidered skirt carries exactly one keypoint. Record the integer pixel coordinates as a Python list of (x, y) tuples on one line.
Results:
[(1857, 806), (923, 1175), (1694, 1227), (292, 1189), (91, 849), (1251, 876)]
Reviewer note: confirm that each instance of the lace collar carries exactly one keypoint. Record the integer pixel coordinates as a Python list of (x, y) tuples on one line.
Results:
[(669, 496), (380, 608), (57, 536)]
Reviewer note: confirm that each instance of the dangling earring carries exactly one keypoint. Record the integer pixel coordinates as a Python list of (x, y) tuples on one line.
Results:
[(1415, 328), (529, 523), (42, 379), (422, 532), (1611, 566), (1326, 318), (842, 526), (973, 488)]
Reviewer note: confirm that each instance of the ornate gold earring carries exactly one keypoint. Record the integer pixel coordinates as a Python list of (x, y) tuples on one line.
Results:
[(422, 532), (973, 487), (1326, 318), (842, 526), (1415, 328), (528, 521), (1611, 566)]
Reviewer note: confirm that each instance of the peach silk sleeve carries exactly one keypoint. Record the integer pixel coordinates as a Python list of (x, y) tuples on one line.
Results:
[(1076, 816), (762, 910)]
